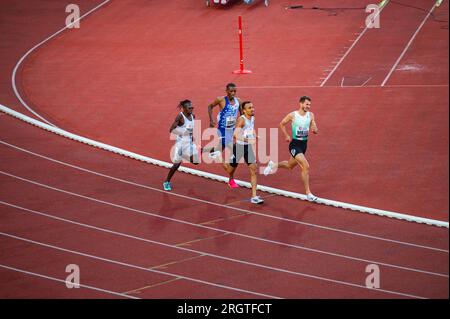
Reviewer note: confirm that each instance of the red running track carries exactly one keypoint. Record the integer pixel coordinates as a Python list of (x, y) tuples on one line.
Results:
[(244, 247), (269, 251), (369, 152)]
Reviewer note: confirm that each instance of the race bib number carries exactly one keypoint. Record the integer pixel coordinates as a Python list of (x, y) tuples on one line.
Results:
[(230, 121), (190, 128), (249, 134), (301, 133)]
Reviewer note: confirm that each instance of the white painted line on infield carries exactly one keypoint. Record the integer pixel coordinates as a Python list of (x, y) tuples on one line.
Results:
[(350, 49), (16, 68), (407, 46)]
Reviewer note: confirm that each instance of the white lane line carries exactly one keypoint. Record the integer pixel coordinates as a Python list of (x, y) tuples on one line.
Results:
[(407, 46), (351, 48), (225, 232), (366, 81), (338, 86), (16, 68), (414, 85), (339, 282), (220, 205), (134, 266), (220, 178), (63, 281)]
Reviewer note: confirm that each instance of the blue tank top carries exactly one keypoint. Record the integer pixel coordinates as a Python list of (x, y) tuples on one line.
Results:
[(227, 117)]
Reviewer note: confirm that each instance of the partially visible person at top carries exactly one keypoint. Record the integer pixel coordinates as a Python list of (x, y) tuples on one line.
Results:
[(302, 120), (183, 128)]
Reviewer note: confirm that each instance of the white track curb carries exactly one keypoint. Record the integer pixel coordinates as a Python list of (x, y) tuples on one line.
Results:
[(219, 178)]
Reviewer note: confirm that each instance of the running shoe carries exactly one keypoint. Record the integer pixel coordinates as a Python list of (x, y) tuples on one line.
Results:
[(232, 183), (268, 169), (256, 200), (167, 186), (214, 155), (311, 197)]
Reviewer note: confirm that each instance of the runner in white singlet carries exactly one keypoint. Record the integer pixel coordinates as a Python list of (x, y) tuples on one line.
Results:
[(183, 127), (302, 121), (245, 138)]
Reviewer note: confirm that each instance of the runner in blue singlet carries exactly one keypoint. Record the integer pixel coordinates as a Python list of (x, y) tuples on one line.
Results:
[(229, 110), (229, 106)]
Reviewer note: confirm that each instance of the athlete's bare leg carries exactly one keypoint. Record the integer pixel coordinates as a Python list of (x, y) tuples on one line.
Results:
[(290, 164), (227, 152), (172, 171), (272, 167), (253, 178), (193, 159), (229, 169), (304, 166)]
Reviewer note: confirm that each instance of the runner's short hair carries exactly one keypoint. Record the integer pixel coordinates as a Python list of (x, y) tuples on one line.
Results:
[(231, 86), (245, 103), (304, 98), (183, 104)]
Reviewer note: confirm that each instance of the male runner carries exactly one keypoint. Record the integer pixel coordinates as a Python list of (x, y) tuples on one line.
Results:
[(301, 120), (183, 127), (245, 138), (229, 107)]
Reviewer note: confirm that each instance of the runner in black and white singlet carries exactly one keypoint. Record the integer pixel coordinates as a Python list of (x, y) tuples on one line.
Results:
[(245, 138), (183, 127), (302, 121)]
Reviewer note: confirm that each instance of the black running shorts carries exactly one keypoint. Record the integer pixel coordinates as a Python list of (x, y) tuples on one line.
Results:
[(298, 147), (240, 151)]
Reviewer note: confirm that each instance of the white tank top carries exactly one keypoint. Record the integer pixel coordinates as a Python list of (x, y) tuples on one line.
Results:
[(247, 131), (189, 126), (300, 126)]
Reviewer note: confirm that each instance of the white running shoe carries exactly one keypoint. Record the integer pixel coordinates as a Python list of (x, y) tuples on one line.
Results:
[(214, 155), (311, 197), (256, 200), (269, 168)]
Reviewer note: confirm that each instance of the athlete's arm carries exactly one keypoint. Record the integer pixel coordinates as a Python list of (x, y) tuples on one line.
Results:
[(240, 106), (239, 125), (193, 139), (314, 125), (179, 121), (255, 137), (283, 123), (216, 102)]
